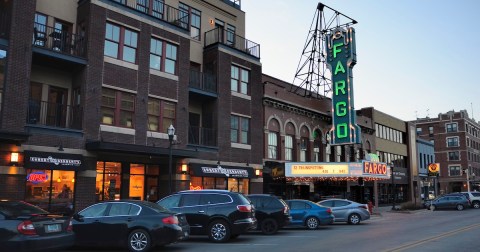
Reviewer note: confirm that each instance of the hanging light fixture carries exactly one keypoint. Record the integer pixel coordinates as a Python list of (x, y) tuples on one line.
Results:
[(59, 180)]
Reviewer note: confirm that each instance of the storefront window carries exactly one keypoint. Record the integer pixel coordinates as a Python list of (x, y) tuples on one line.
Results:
[(238, 185), (51, 190), (220, 183), (196, 183), (137, 181), (108, 180)]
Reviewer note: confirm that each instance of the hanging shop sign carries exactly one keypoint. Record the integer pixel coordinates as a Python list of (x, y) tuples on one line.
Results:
[(341, 57), (53, 161), (203, 170), (433, 169)]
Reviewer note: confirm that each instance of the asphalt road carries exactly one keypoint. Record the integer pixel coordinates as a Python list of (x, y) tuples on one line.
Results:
[(423, 230)]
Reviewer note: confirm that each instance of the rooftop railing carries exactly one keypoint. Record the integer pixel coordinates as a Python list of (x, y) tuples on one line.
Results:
[(229, 38)]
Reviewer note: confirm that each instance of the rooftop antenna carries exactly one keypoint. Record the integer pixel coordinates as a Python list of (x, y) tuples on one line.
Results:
[(471, 105), (428, 112)]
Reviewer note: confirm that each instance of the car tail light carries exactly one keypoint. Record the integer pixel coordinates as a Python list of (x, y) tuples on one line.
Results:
[(329, 211), (244, 208), (70, 226), (26, 228), (170, 220)]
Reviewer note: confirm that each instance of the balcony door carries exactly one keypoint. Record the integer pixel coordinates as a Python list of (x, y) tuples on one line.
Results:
[(57, 107), (194, 120)]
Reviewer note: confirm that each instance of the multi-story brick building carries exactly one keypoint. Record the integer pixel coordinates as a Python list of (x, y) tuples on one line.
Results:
[(89, 89), (456, 139)]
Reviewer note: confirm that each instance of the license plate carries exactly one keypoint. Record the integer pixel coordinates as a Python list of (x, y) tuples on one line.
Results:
[(52, 228)]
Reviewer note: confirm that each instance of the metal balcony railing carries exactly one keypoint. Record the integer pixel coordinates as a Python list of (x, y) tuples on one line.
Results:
[(203, 81), (235, 3), (159, 10), (229, 38), (4, 24), (59, 41), (202, 136), (54, 114)]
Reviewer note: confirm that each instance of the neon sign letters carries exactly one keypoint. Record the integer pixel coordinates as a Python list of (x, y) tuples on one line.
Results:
[(37, 177), (341, 57)]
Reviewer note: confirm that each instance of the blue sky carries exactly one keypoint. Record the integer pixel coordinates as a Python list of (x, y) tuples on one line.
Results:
[(415, 58)]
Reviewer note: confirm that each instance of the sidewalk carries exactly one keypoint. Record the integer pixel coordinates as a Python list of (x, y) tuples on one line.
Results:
[(378, 211)]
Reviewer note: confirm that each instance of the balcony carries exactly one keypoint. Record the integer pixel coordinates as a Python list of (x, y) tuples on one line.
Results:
[(158, 10), (203, 81), (228, 38), (54, 115), (56, 40), (202, 136)]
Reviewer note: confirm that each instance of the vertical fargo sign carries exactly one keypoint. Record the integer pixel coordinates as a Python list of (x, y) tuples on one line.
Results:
[(341, 57)]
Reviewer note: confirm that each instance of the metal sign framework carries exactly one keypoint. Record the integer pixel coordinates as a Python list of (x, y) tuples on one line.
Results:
[(313, 78)]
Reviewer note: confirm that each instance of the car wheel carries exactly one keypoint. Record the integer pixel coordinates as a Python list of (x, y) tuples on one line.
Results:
[(139, 240), (219, 231), (269, 226), (312, 223), (476, 204), (432, 207), (354, 219), (460, 207)]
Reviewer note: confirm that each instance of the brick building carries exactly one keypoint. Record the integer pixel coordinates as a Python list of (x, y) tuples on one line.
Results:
[(89, 89)]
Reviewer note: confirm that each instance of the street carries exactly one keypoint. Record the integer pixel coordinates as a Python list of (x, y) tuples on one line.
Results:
[(421, 230)]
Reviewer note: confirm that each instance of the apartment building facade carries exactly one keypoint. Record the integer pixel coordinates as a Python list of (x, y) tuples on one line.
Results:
[(91, 87), (456, 139)]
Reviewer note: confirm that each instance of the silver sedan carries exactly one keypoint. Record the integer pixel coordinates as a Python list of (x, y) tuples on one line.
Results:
[(347, 211)]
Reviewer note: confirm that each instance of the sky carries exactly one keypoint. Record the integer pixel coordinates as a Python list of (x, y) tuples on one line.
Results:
[(415, 58)]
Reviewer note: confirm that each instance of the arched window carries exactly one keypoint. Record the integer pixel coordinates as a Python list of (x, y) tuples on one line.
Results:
[(273, 136)]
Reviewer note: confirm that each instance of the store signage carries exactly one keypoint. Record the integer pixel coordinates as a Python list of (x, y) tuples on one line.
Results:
[(37, 177), (374, 168), (320, 169), (227, 172), (341, 57), (54, 161), (433, 169)]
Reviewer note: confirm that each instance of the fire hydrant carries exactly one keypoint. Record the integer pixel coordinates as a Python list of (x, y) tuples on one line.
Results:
[(370, 206)]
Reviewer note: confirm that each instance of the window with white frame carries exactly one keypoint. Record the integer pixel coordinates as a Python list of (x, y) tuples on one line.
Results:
[(239, 79), (240, 128), (451, 127), (419, 130), (452, 141), (120, 43), (194, 20), (272, 145), (454, 170), (430, 130), (288, 148), (453, 155)]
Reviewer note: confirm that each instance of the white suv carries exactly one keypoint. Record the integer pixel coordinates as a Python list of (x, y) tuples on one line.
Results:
[(474, 198)]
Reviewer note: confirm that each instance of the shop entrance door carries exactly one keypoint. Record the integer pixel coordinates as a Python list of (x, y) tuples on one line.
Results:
[(152, 188)]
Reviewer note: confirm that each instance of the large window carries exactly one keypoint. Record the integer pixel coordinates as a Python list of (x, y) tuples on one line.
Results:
[(453, 155), (163, 56), (452, 141), (108, 180), (137, 181), (195, 18), (451, 127), (120, 43), (454, 170), (240, 129), (40, 29), (289, 148), (161, 115), (118, 108), (304, 149), (230, 35), (272, 145), (239, 80)]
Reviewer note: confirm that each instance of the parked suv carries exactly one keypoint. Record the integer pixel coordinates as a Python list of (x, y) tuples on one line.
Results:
[(453, 201), (474, 198), (219, 214), (272, 213)]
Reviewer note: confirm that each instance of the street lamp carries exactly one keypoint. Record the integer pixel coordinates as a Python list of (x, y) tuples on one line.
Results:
[(393, 186), (171, 133)]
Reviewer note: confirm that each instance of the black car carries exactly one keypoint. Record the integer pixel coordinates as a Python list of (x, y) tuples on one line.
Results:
[(220, 214), (272, 213), (135, 224), (25, 227)]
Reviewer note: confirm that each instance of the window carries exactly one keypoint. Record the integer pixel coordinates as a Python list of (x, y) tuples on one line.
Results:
[(40, 29), (453, 155), (239, 80), (161, 115), (451, 127), (304, 149), (419, 130), (452, 141), (230, 35), (195, 17), (240, 128), (163, 56), (288, 148), (454, 170), (272, 145), (430, 130), (94, 211), (120, 43), (123, 209), (108, 181), (118, 108)]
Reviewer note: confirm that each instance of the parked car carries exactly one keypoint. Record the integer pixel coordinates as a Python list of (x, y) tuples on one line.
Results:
[(25, 227), (474, 198), (272, 213), (449, 201), (347, 211), (135, 224), (309, 214), (220, 214)]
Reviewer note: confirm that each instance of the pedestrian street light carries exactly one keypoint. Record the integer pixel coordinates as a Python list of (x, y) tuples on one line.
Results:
[(171, 134)]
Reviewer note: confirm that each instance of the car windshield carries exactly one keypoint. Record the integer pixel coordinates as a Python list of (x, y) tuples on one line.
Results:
[(19, 208)]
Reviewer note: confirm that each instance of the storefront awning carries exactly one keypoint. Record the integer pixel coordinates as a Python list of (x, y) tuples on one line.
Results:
[(139, 149), (221, 171), (53, 161)]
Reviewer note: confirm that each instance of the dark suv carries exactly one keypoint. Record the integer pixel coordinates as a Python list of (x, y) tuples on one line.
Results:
[(219, 214), (271, 212)]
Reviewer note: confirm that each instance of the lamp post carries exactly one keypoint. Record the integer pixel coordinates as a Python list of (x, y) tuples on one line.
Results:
[(393, 186), (171, 133)]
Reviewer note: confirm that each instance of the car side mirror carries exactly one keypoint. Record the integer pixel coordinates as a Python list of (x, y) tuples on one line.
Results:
[(78, 217)]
